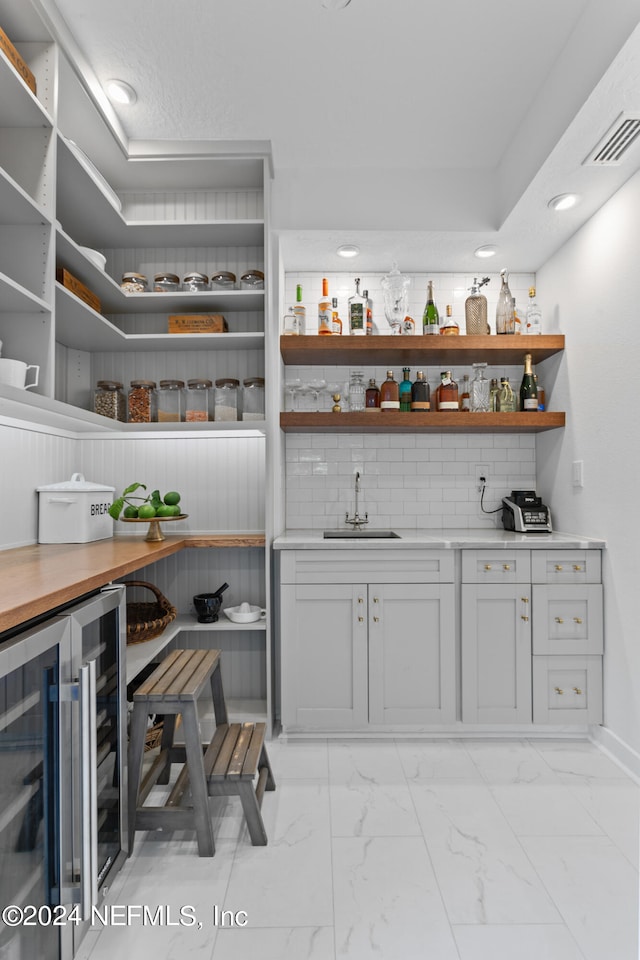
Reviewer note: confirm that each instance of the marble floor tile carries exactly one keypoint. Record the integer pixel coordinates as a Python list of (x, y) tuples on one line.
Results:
[(436, 760), (299, 759), (288, 882), (615, 806), (275, 943), (369, 794), (596, 890), (542, 809), (509, 761), (576, 761), (484, 874), (387, 902), (511, 941)]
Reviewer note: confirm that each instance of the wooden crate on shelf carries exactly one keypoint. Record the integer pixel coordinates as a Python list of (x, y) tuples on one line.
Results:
[(16, 61), (78, 288), (197, 323)]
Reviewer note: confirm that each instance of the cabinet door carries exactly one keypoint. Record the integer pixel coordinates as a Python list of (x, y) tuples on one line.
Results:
[(411, 653), (567, 618), (496, 654), (324, 656)]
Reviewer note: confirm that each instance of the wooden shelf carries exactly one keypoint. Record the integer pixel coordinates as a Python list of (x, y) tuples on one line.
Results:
[(453, 422), (429, 351)]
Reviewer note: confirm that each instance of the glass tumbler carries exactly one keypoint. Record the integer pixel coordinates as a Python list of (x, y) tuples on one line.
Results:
[(357, 391), (479, 390)]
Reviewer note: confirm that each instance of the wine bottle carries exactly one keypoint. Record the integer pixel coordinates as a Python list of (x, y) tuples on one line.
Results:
[(300, 311), (357, 312), (389, 393), (534, 314), (504, 309), (420, 399), (405, 391), (528, 388), (430, 317), (324, 310)]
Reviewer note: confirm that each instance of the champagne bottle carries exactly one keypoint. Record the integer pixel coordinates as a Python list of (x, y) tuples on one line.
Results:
[(504, 309), (430, 317), (300, 311), (324, 310), (389, 393), (528, 388), (405, 391), (357, 312)]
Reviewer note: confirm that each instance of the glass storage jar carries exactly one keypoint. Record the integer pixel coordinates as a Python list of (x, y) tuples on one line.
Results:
[(197, 400), (226, 399), (223, 280), (109, 400), (252, 280), (170, 401), (142, 401), (195, 282), (134, 283), (253, 398), (166, 283)]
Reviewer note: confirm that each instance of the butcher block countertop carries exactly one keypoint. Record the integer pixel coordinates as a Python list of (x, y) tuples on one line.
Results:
[(41, 577)]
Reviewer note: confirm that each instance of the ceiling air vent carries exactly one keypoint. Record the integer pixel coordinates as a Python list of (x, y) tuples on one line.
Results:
[(612, 148)]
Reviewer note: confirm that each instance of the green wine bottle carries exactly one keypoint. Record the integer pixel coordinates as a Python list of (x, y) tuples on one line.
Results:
[(528, 388), (430, 317)]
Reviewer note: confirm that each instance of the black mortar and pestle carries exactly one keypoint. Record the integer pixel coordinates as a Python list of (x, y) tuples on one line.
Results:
[(208, 604)]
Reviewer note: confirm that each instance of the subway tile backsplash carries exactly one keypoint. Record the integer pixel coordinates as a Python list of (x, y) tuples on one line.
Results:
[(414, 481)]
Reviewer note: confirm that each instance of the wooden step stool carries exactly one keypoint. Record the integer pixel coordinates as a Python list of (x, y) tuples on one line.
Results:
[(226, 766)]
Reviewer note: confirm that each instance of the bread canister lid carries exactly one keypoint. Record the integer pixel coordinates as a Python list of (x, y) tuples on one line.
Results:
[(76, 483)]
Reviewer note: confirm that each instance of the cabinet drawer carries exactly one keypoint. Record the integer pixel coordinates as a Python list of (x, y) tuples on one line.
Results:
[(356, 566), (566, 566), (496, 566), (567, 618), (567, 689)]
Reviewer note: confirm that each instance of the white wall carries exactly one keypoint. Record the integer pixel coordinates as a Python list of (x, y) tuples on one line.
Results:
[(589, 292)]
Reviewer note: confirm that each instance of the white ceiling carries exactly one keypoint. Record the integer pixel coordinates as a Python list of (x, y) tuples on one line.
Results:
[(417, 128)]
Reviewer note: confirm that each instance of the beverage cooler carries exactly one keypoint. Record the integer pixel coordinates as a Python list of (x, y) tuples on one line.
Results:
[(62, 774)]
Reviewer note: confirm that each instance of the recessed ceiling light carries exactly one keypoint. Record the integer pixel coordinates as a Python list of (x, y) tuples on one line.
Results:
[(488, 250), (335, 4), (564, 201), (120, 92), (348, 250)]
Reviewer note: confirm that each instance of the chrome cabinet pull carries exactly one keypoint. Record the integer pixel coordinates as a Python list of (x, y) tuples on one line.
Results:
[(89, 789)]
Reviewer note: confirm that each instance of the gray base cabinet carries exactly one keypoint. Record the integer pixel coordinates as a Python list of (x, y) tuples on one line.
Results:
[(363, 655)]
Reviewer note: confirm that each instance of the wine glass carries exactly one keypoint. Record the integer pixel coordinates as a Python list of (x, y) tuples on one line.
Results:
[(395, 294), (315, 388), (291, 388)]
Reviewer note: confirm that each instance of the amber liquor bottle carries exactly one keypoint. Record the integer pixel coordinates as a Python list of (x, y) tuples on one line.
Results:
[(389, 393), (447, 392), (420, 398), (325, 327)]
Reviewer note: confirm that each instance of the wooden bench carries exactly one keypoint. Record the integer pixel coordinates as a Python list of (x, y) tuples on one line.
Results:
[(227, 766)]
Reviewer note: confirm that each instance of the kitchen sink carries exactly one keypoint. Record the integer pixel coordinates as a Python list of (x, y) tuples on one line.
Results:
[(361, 535)]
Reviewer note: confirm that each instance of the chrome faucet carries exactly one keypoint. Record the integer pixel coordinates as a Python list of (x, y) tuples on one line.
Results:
[(356, 521)]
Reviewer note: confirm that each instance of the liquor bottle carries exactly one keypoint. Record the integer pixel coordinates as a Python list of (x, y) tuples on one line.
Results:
[(420, 399), (357, 312), (324, 310), (519, 322), (368, 316), (534, 314), (542, 400), (291, 328), (528, 388), (504, 309), (465, 396), (300, 311), (507, 400), (430, 317), (494, 396), (447, 392), (372, 397), (475, 309), (404, 390), (389, 393), (450, 327), (408, 326), (336, 322)]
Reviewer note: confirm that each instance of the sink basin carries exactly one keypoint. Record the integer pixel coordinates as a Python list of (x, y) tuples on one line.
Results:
[(361, 535)]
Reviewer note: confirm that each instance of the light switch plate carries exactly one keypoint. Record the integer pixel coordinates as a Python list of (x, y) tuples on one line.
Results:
[(578, 473)]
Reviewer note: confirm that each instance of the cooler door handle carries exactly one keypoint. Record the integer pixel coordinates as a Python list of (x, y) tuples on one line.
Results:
[(89, 789)]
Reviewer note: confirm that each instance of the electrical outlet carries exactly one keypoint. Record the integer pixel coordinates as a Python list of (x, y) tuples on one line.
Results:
[(482, 476)]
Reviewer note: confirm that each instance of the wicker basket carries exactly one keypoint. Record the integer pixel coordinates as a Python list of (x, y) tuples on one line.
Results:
[(146, 620)]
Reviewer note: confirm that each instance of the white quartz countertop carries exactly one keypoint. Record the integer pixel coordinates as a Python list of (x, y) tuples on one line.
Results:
[(494, 539)]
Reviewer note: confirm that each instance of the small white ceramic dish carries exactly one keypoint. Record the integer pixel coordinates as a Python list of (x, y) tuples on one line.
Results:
[(245, 613), (95, 256)]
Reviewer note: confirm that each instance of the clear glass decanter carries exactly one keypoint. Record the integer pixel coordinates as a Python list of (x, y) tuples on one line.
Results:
[(479, 390), (395, 293)]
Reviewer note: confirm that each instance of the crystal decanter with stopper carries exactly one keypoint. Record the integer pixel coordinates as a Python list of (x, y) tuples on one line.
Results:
[(395, 292)]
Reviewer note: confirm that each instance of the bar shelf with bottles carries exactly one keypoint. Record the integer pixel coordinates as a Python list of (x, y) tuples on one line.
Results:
[(432, 422)]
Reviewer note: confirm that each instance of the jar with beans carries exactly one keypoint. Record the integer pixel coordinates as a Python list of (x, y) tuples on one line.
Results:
[(198, 398), (170, 401), (109, 400), (134, 283), (142, 401), (226, 399)]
